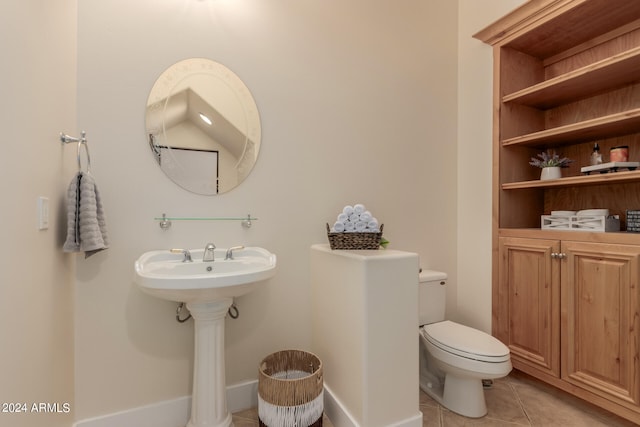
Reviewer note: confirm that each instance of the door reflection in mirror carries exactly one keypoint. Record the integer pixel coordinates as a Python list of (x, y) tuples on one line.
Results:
[(203, 126)]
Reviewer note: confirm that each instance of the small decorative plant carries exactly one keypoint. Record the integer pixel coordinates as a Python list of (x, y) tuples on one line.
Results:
[(549, 159), (384, 243)]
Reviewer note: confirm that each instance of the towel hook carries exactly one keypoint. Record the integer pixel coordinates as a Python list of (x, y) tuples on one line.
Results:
[(66, 139)]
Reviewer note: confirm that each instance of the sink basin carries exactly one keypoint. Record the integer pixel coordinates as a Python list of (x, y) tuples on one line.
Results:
[(164, 275)]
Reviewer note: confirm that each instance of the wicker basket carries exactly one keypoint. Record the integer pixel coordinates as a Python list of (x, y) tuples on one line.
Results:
[(290, 390), (354, 240)]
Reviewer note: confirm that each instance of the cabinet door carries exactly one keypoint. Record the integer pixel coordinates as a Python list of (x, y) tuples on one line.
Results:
[(600, 319), (528, 303)]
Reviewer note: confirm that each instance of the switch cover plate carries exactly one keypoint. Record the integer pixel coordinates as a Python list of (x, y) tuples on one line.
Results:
[(43, 213)]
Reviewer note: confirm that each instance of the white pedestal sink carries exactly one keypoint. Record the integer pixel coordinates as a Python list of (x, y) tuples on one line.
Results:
[(208, 289)]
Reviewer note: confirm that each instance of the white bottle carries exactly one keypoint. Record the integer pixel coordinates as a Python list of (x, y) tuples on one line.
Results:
[(596, 157)]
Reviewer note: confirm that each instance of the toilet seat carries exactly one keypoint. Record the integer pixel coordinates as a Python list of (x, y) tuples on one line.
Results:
[(465, 342)]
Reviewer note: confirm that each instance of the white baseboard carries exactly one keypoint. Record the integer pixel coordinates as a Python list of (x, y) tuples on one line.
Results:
[(170, 413), (336, 411), (242, 396), (341, 417), (175, 412)]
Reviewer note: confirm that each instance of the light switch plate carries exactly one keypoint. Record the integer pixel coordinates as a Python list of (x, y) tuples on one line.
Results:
[(43, 213)]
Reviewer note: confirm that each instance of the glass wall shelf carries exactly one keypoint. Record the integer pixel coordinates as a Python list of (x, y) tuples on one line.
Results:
[(165, 221)]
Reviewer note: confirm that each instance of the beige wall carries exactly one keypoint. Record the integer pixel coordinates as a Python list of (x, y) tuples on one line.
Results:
[(360, 102), (38, 90), (475, 68)]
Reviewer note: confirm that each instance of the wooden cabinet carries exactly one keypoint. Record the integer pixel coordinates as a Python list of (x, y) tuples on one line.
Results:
[(568, 310), (527, 312), (567, 76), (600, 309)]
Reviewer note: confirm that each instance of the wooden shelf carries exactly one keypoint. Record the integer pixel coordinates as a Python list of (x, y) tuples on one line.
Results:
[(610, 73), (624, 123), (573, 181)]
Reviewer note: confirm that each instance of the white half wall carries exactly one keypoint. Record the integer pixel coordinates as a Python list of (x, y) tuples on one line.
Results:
[(364, 329)]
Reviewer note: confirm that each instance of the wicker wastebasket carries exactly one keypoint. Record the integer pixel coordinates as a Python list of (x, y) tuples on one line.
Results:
[(290, 390)]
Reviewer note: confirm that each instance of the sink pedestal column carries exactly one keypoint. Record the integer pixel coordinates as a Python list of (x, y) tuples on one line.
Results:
[(209, 399)]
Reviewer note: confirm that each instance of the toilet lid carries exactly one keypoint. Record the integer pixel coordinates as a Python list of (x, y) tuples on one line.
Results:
[(465, 341)]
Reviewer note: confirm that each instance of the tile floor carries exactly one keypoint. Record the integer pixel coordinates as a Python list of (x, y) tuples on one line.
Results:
[(517, 400), (520, 400)]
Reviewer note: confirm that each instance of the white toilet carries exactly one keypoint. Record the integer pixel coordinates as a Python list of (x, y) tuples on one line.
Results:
[(454, 359)]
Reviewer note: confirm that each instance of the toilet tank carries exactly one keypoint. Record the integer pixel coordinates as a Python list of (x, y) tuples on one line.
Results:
[(432, 296)]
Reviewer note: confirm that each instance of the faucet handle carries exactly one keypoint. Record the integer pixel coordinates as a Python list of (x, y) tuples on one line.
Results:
[(187, 254), (229, 254)]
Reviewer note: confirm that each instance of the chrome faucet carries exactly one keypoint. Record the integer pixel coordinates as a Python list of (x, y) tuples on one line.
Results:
[(208, 253), (187, 254), (229, 254)]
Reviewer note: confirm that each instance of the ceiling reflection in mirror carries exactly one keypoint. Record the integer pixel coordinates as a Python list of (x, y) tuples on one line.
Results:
[(203, 126)]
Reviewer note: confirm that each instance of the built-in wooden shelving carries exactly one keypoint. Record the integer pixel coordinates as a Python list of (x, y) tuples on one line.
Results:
[(566, 77)]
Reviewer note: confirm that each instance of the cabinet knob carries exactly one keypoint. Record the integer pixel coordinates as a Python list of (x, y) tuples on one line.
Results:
[(556, 255)]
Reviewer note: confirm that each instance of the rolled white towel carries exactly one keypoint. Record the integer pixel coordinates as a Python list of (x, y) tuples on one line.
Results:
[(338, 227), (348, 210), (343, 217), (359, 208), (349, 227), (373, 224), (354, 217), (366, 216), (361, 226)]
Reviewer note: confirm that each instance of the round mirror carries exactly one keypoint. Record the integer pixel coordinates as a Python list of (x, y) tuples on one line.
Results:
[(203, 126)]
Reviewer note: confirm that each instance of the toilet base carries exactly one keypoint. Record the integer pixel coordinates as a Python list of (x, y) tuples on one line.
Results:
[(464, 396)]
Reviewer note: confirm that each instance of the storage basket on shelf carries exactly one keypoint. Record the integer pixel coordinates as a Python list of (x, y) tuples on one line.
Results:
[(347, 240), (290, 390)]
